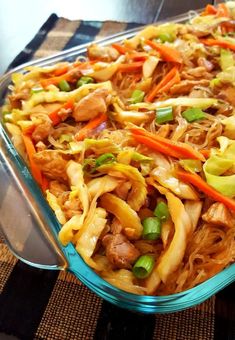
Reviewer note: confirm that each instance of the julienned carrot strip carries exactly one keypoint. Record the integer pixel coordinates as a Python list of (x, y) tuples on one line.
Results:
[(61, 70), (91, 125), (153, 144), (30, 149), (198, 182), (205, 153), (122, 49), (209, 9), (45, 183), (29, 130), (138, 56), (152, 94), (182, 149), (172, 81), (221, 43), (132, 67), (55, 117), (167, 53)]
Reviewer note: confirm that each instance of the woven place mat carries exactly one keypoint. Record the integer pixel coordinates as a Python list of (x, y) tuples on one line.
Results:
[(39, 304)]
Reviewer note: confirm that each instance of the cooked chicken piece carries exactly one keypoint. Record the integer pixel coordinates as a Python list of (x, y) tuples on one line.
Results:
[(185, 86), (16, 98), (43, 126), (120, 251), (123, 189), (116, 227), (105, 53), (197, 72), (91, 105), (228, 94), (205, 63), (72, 207), (52, 164), (57, 188), (220, 215)]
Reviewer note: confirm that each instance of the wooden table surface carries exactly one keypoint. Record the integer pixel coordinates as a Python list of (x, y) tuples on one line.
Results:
[(20, 20)]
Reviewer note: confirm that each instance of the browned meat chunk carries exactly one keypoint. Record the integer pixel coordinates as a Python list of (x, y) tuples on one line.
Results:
[(205, 63), (57, 188), (105, 53), (116, 227), (120, 251), (228, 94), (197, 72), (218, 214), (91, 105), (43, 127), (185, 86), (16, 98), (52, 164)]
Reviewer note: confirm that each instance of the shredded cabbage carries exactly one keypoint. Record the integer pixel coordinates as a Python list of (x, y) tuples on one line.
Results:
[(217, 165)]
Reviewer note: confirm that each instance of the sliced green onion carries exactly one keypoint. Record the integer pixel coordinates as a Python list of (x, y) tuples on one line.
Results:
[(214, 82), (137, 96), (151, 228), (164, 114), (161, 211), (84, 80), (64, 86), (104, 159), (193, 114), (36, 90), (143, 266), (166, 37)]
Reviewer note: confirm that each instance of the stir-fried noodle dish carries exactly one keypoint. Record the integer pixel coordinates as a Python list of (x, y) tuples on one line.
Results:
[(133, 147)]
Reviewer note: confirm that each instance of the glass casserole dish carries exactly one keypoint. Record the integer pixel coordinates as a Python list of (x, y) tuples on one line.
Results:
[(33, 238)]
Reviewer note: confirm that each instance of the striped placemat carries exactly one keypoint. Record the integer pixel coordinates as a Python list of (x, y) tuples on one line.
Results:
[(40, 304)]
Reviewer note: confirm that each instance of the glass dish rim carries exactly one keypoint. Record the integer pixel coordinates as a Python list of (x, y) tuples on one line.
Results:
[(70, 252)]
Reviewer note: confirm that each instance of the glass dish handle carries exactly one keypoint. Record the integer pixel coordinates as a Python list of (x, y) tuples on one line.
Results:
[(22, 224)]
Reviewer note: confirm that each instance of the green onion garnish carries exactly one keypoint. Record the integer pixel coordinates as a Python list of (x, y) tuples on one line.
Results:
[(151, 228), (143, 266), (215, 82), (161, 211), (193, 114), (166, 37), (64, 86), (164, 114), (36, 90), (104, 159), (84, 80), (137, 96)]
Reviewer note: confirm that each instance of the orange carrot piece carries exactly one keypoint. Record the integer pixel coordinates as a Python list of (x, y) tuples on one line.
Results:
[(209, 10), (30, 149), (182, 149), (45, 183), (91, 125), (152, 94), (132, 67), (221, 43), (206, 153), (138, 56), (61, 70), (54, 115), (167, 53), (200, 184), (172, 81), (28, 130), (153, 144), (122, 49)]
